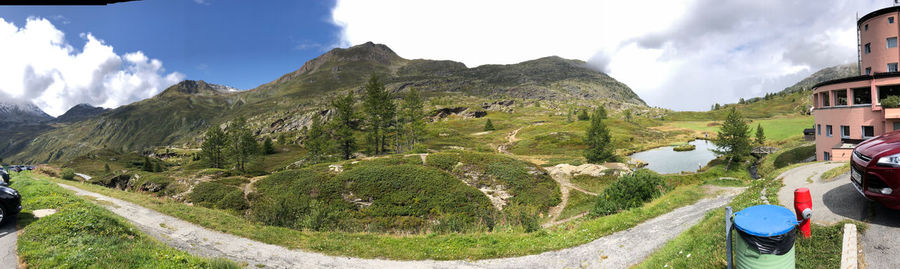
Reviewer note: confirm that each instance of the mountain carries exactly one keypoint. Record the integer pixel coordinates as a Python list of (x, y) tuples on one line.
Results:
[(179, 114), (825, 74), (81, 112), (21, 113)]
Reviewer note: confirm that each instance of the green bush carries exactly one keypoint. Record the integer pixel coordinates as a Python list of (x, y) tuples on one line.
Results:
[(892, 101), (215, 195), (444, 161), (236, 181), (628, 192), (67, 174), (794, 155)]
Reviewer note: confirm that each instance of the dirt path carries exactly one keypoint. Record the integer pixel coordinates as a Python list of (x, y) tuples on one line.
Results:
[(618, 250), (510, 139)]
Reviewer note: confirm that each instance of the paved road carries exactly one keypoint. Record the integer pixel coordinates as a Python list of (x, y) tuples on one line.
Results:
[(8, 239), (618, 250), (838, 200)]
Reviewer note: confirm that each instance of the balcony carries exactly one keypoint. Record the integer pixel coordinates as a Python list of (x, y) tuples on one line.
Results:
[(891, 113)]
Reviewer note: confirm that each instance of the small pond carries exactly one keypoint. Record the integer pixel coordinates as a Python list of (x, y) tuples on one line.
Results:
[(664, 160)]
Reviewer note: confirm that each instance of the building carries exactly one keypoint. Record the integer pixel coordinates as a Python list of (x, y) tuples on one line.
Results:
[(848, 110)]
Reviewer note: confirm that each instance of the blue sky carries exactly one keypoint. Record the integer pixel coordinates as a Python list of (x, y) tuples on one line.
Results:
[(226, 42)]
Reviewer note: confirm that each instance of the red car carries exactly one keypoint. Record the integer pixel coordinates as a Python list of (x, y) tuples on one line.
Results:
[(875, 169)]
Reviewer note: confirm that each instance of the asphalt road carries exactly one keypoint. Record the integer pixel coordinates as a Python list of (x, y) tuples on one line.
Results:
[(8, 236), (836, 200)]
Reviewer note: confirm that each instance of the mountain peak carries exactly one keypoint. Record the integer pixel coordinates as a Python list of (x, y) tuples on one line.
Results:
[(197, 87), (81, 112), (370, 52), (21, 112)]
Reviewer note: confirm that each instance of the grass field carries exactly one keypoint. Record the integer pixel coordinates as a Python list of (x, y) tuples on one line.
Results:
[(776, 129), (504, 243), (84, 235)]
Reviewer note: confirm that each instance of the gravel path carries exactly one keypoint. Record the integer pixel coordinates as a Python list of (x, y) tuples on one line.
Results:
[(837, 200), (618, 250)]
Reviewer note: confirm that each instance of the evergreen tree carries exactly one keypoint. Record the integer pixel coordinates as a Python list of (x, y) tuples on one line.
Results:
[(213, 148), (106, 168), (583, 115), (600, 148), (600, 111), (342, 125), (241, 143), (717, 106), (380, 112), (413, 117), (316, 140), (733, 140), (157, 167), (268, 148), (489, 126), (628, 116), (282, 139), (760, 135), (147, 165)]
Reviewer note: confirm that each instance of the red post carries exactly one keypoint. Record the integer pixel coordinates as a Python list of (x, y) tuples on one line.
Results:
[(803, 208)]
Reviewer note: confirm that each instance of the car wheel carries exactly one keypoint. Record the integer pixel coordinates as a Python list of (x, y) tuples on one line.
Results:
[(2, 215)]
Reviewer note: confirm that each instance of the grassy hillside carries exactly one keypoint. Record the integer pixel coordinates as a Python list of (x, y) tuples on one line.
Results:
[(179, 114)]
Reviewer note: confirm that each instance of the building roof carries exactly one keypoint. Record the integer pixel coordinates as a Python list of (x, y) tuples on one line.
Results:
[(877, 13), (857, 78)]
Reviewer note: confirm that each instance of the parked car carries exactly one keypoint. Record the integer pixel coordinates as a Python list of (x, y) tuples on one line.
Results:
[(10, 203), (875, 169), (4, 175)]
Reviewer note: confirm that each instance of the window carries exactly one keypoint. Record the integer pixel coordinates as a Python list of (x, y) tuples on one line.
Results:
[(840, 98), (885, 91), (862, 96), (867, 27), (892, 42), (818, 129), (892, 67), (868, 48), (845, 131), (828, 131), (890, 19), (896, 126), (868, 131), (827, 156), (868, 70), (825, 100)]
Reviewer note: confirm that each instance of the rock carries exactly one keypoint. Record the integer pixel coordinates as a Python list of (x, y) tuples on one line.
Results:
[(40, 213), (336, 168)]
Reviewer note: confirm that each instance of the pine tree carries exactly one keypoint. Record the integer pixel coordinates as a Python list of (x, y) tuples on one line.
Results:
[(489, 126), (241, 143), (316, 140), (343, 124), (733, 140), (148, 166), (106, 168), (600, 148), (268, 148), (213, 148), (760, 135), (380, 112), (157, 167), (413, 117), (583, 115), (600, 112)]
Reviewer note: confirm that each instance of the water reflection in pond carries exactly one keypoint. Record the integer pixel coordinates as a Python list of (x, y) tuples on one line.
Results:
[(664, 160)]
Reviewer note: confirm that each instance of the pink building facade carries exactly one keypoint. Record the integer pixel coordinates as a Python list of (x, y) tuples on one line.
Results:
[(848, 110)]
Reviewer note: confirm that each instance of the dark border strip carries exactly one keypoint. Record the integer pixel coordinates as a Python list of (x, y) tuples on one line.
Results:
[(60, 2)]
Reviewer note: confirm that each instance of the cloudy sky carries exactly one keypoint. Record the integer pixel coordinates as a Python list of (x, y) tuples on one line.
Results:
[(678, 54)]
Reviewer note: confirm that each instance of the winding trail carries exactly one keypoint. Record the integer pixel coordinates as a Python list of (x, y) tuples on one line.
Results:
[(617, 250)]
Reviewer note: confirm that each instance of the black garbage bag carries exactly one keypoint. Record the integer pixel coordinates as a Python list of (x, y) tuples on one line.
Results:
[(778, 244)]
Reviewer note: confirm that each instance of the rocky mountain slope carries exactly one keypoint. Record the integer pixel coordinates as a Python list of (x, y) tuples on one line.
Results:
[(19, 112), (80, 112), (179, 114), (828, 73)]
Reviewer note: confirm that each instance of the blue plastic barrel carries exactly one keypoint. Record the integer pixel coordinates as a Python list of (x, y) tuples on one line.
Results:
[(766, 237)]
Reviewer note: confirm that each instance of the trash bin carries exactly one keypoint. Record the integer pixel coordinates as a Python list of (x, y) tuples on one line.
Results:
[(766, 240)]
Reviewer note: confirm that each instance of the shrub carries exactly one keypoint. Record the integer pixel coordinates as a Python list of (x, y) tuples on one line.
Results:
[(215, 195), (794, 155), (684, 147), (236, 181), (67, 174), (443, 161), (892, 101), (489, 126), (628, 192)]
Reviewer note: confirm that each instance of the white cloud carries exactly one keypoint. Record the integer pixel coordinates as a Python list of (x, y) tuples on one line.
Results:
[(682, 54), (39, 65)]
